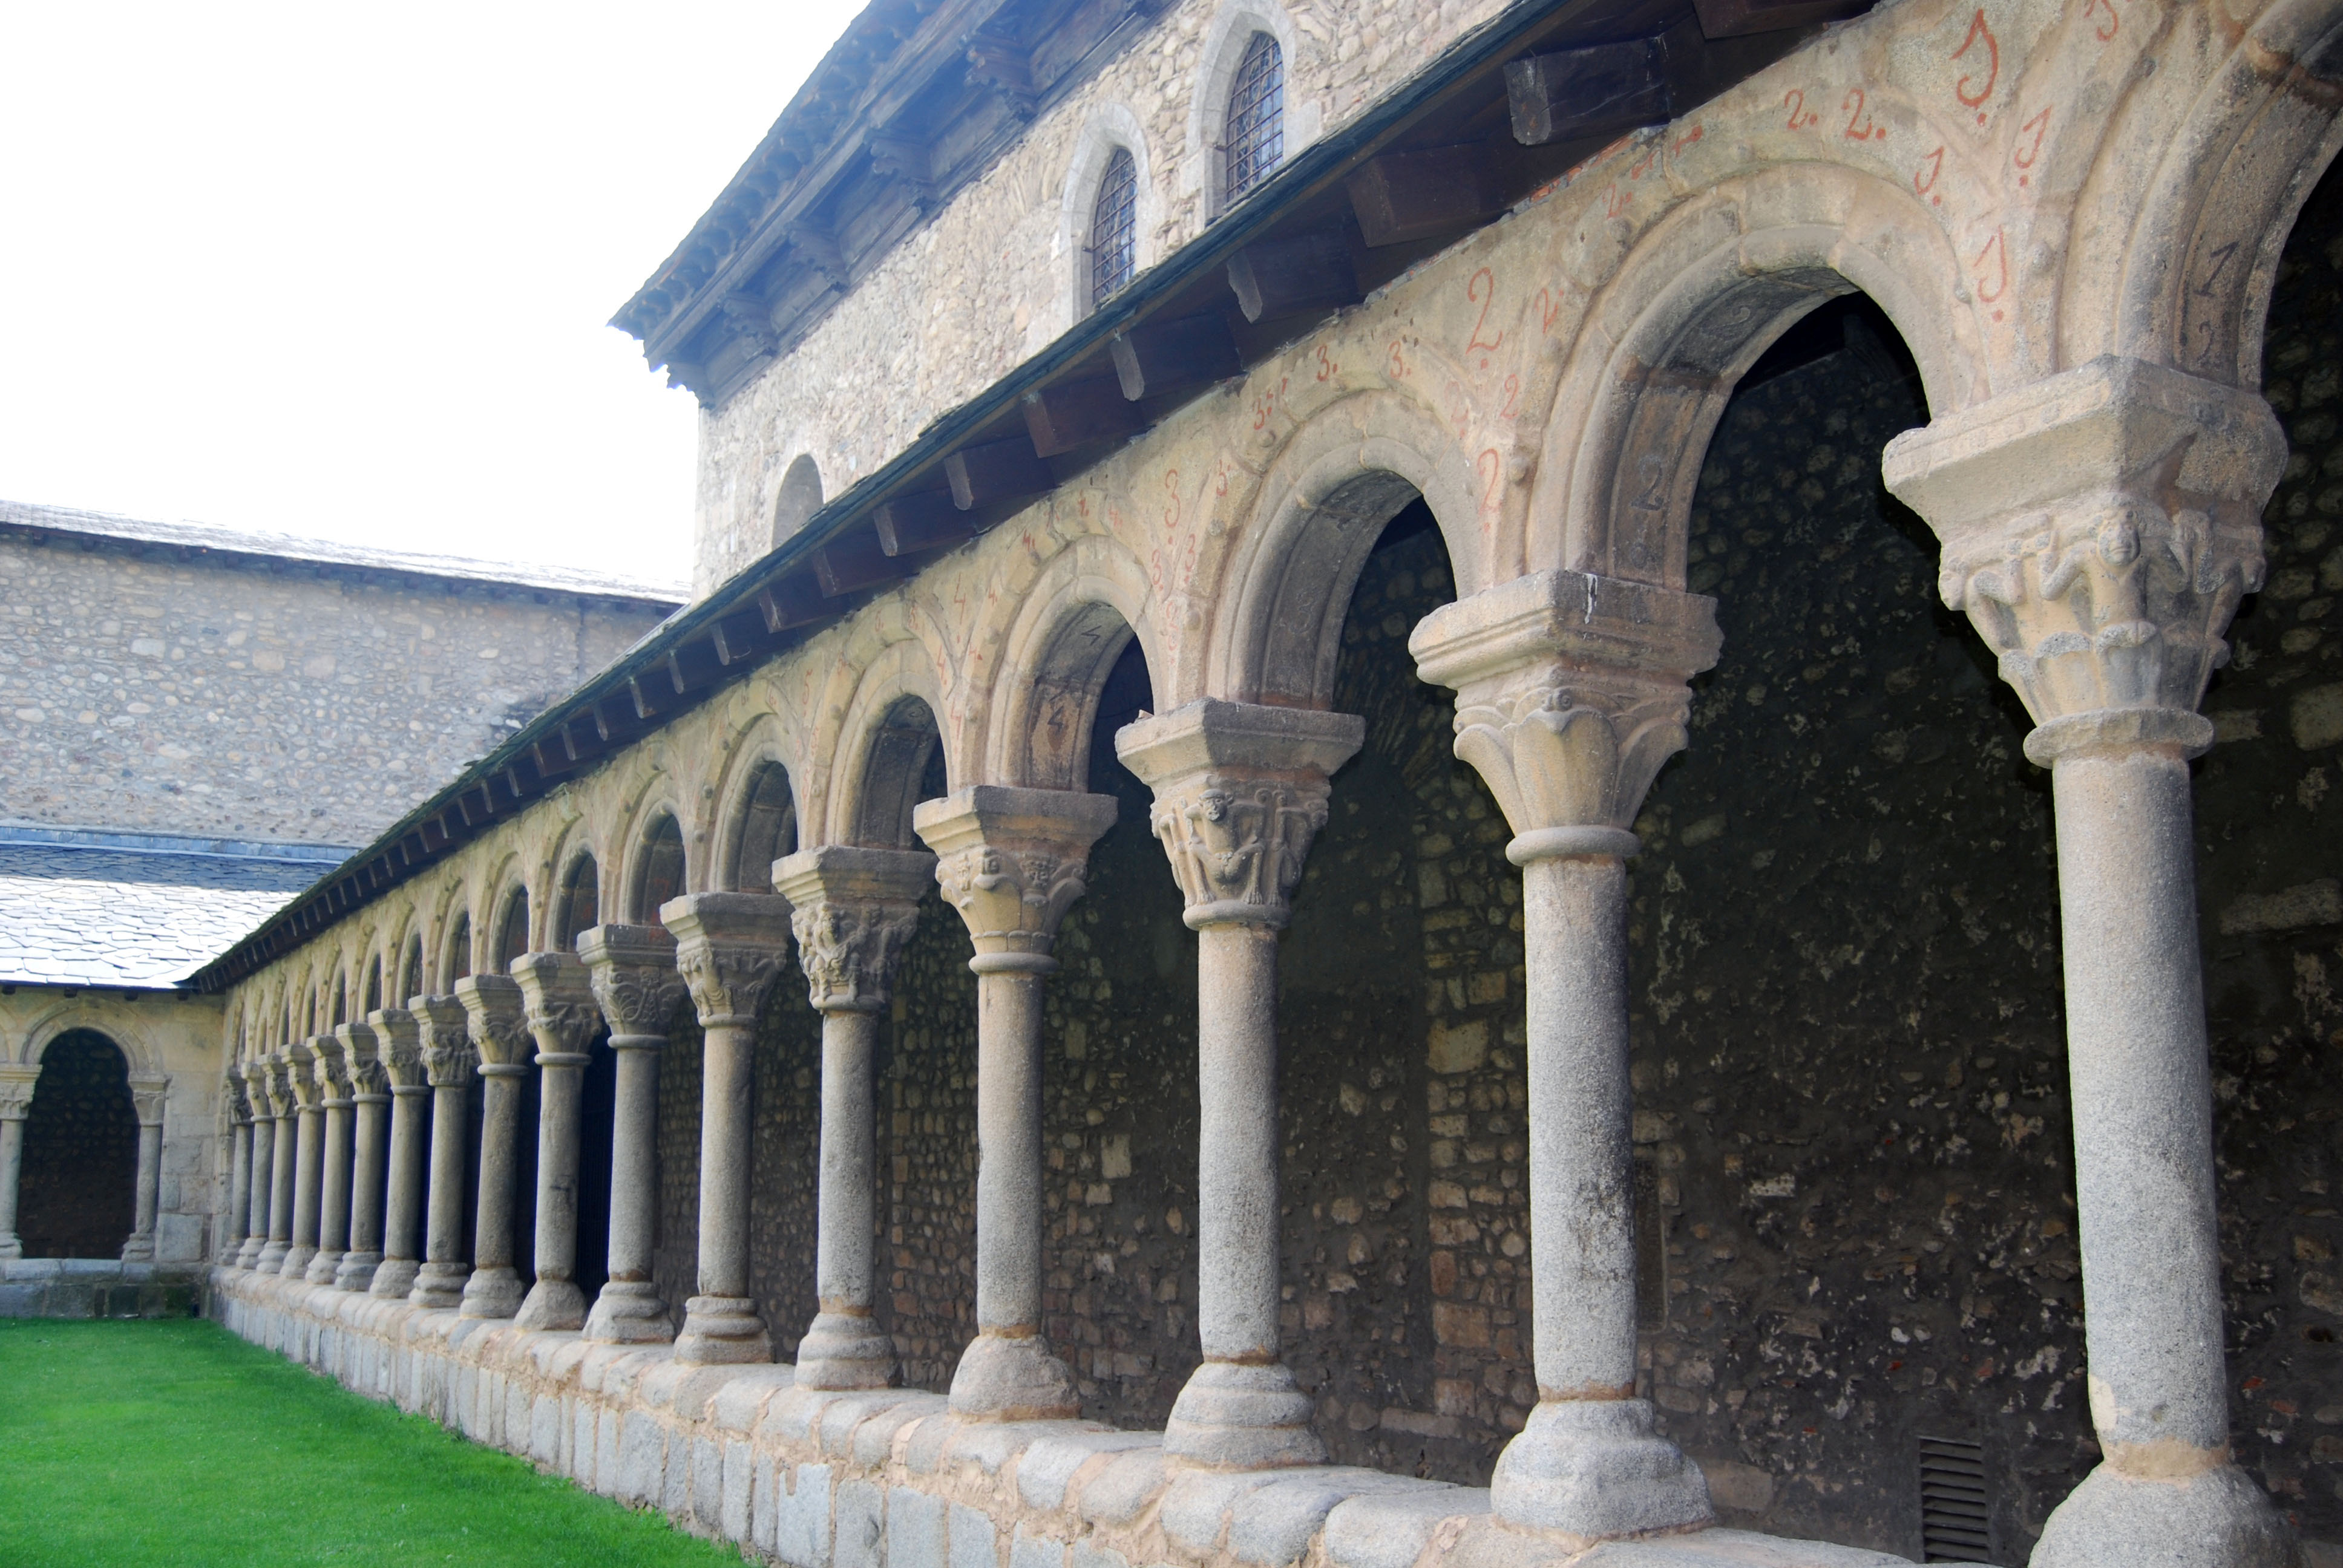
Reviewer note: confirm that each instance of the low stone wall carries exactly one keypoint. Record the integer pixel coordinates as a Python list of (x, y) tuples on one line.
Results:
[(888, 1478), (97, 1287)]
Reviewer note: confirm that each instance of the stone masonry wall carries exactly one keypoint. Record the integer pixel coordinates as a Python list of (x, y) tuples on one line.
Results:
[(263, 698), (903, 346)]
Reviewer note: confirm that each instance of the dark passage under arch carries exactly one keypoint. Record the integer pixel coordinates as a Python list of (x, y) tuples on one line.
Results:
[(77, 1197)]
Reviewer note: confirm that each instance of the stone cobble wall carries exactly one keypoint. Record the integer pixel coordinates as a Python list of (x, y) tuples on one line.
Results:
[(675, 1235), (271, 700), (902, 348), (785, 1160), (78, 1194)]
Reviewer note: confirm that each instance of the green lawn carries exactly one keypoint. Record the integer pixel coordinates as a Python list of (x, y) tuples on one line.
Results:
[(175, 1442)]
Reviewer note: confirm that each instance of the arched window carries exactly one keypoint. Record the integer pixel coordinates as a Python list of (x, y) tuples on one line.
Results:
[(459, 949), (800, 497), (658, 868), (1255, 141), (581, 902), (1114, 228), (512, 935)]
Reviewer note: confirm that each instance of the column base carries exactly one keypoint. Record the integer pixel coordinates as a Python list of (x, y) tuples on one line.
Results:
[(11, 1247), (845, 1350), (630, 1312), (1004, 1379), (322, 1265), (2216, 1519), (1235, 1416), (271, 1260), (439, 1285), (394, 1278), (1595, 1469), (355, 1271), (248, 1255), (552, 1304), (720, 1331), (296, 1261), (492, 1293)]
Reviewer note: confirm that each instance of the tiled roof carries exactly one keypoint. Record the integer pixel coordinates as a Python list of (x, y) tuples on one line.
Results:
[(262, 546), (104, 911)]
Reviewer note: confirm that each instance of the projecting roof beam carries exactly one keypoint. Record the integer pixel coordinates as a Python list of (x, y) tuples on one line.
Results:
[(1310, 271), (995, 471), (1165, 358)]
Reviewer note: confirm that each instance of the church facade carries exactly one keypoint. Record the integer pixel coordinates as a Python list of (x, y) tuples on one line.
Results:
[(1448, 782)]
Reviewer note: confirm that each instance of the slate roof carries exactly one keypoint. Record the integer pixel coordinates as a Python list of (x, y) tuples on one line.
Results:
[(139, 912)]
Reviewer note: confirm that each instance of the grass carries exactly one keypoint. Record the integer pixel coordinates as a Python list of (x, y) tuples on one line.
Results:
[(175, 1442)]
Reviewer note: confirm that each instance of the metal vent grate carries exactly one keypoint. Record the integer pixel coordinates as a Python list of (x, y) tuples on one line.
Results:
[(1953, 1522)]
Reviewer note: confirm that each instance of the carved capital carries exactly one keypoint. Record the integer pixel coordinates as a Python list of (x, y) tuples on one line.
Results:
[(361, 1056), (398, 1044), (448, 1059), (635, 981), (301, 1073), (1012, 861), (729, 949), (1240, 793), (497, 1021), (1571, 691), (148, 1095), (282, 1099), (2099, 528), (16, 1091), (559, 1003), (852, 909)]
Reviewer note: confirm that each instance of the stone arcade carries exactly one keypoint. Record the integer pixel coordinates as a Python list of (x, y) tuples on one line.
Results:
[(853, 1281)]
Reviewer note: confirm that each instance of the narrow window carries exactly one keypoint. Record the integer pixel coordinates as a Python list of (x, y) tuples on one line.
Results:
[(1256, 136), (1114, 228)]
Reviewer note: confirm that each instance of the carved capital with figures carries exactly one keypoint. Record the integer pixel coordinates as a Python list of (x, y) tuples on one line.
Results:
[(445, 1029), (558, 1000), (853, 910), (1012, 861), (635, 981), (398, 1044), (497, 1019), (729, 949)]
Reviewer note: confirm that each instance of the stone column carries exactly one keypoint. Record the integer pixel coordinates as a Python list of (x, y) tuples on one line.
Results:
[(264, 1164), (729, 949), (1572, 692), (239, 1179), (563, 1019), (1240, 792), (1011, 861), (853, 910), (331, 1069), (499, 1029), (370, 1107), (632, 970), (300, 1075), (398, 1048), (15, 1104), (284, 1171), (2099, 528), (448, 1063)]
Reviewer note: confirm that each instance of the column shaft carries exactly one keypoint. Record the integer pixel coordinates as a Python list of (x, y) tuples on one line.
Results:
[(843, 1348), (306, 1162), (284, 1175), (234, 1224), (140, 1247), (334, 1208), (494, 1290), (12, 1169), (355, 1271), (394, 1277), (439, 1283), (723, 1322), (629, 1310), (264, 1164), (1009, 1154), (1236, 1186), (555, 1301)]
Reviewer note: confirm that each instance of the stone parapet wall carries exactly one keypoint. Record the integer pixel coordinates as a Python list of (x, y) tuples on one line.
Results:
[(888, 1478)]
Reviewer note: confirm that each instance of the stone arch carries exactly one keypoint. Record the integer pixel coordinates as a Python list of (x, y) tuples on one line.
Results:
[(459, 951), (891, 724), (138, 1053), (1111, 127), (2202, 256), (758, 822), (797, 499), (1696, 302), (658, 863), (1090, 599), (1317, 514), (511, 930), (577, 903), (1226, 35), (77, 1188)]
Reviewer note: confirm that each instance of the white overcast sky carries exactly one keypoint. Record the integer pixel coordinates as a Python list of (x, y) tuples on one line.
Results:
[(344, 271)]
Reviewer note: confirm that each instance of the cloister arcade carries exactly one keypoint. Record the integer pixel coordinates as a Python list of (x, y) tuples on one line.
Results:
[(452, 1101)]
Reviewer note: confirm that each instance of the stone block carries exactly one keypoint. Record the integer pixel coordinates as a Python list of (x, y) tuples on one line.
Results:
[(762, 1516), (709, 1474), (545, 1430), (642, 1459), (739, 1493), (1083, 1554), (1027, 1550), (801, 1516), (874, 1439), (1049, 1461), (609, 1454), (1274, 1525), (975, 1544), (1391, 1528), (1196, 1506), (674, 1501), (1128, 1484), (579, 1463), (915, 1529), (860, 1537)]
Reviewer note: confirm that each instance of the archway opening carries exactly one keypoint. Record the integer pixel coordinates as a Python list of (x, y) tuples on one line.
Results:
[(458, 962), (580, 907), (512, 930), (766, 830), (77, 1195), (1063, 701), (658, 869), (903, 766)]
